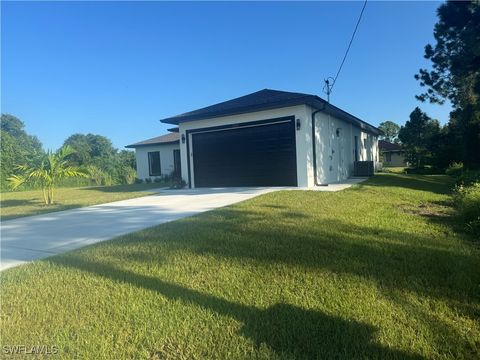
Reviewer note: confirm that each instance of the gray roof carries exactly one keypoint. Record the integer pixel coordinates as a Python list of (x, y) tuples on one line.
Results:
[(263, 100), (388, 146), (170, 138)]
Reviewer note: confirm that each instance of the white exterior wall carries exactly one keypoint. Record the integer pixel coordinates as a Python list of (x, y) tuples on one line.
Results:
[(335, 155), (397, 158), (166, 159)]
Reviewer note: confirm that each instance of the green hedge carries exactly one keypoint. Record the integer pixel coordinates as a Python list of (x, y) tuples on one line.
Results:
[(467, 202)]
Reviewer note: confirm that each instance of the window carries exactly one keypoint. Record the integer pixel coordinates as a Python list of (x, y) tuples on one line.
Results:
[(154, 163), (365, 143), (388, 157)]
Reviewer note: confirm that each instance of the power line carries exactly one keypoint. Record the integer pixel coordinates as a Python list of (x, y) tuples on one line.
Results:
[(329, 86)]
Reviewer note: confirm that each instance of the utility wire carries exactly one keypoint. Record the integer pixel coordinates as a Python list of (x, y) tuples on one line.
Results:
[(348, 48)]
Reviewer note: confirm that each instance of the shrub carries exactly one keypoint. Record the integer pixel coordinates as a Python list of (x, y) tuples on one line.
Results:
[(107, 180), (427, 170), (138, 181), (158, 180), (178, 183), (394, 170), (168, 178), (96, 175), (148, 180), (467, 202), (129, 175), (468, 177), (455, 169)]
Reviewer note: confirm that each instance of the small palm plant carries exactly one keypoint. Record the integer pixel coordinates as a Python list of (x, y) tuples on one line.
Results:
[(46, 172)]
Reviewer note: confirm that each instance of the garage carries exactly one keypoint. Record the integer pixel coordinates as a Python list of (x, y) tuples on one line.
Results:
[(258, 153)]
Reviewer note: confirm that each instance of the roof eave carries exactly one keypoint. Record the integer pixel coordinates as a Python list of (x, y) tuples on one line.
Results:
[(311, 100), (243, 110), (343, 115), (134, 146)]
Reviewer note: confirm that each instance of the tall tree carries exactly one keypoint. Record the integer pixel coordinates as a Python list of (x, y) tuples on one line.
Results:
[(390, 131), (17, 147), (104, 162), (90, 149), (127, 158), (417, 137), (455, 73)]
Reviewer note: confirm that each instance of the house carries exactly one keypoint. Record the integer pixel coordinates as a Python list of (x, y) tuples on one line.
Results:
[(260, 139), (158, 156), (393, 154)]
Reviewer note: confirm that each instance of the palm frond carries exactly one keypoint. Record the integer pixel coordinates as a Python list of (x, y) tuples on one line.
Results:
[(47, 170), (20, 167), (64, 151), (15, 181), (41, 174), (71, 171)]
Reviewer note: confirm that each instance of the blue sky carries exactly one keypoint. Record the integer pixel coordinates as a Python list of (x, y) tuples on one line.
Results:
[(116, 68)]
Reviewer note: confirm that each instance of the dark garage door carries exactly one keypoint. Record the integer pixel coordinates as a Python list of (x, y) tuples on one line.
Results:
[(252, 155)]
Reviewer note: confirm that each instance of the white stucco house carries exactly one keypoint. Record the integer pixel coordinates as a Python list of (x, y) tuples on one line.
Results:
[(267, 138)]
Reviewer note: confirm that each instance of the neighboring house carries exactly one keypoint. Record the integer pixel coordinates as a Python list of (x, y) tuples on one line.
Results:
[(393, 154), (261, 139)]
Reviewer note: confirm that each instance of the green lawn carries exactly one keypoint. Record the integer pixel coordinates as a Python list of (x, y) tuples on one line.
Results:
[(25, 203), (375, 271), (394, 169)]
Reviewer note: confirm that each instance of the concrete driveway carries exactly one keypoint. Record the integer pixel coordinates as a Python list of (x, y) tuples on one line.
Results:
[(36, 237)]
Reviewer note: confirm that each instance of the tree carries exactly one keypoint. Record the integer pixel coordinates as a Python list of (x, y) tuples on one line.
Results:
[(79, 143), (47, 171), (417, 137), (97, 156), (445, 148), (127, 158), (455, 74), (90, 149), (390, 131), (17, 147), (105, 164)]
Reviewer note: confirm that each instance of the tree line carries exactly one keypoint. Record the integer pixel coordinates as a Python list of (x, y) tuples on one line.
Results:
[(454, 77), (100, 162)]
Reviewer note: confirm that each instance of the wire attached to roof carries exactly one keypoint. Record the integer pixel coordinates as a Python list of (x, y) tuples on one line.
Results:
[(329, 85)]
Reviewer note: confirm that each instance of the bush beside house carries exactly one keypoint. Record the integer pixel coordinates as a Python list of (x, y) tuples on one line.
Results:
[(466, 196)]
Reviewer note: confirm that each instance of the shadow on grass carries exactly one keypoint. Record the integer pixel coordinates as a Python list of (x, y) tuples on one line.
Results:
[(397, 262), (449, 335), (126, 188), (394, 259), (286, 329), (439, 184), (41, 209), (18, 202)]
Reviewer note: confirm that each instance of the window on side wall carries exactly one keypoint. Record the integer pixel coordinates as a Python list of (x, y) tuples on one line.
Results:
[(154, 163), (388, 157)]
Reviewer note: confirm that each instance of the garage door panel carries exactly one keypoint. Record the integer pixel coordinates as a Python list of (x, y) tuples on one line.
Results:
[(246, 156)]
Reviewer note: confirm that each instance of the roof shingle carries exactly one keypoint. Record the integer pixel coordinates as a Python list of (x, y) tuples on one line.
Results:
[(263, 100), (388, 146), (163, 139)]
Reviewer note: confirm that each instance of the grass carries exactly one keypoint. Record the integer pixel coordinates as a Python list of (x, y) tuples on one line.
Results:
[(377, 271), (26, 203), (394, 169)]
